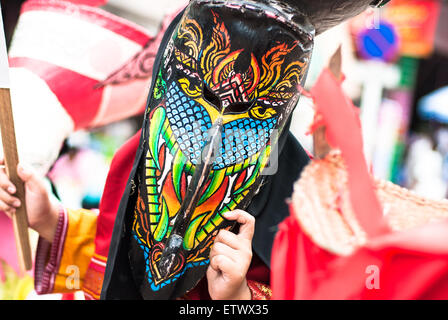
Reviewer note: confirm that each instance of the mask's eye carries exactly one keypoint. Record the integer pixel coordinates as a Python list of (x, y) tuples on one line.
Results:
[(212, 98), (262, 113), (239, 107)]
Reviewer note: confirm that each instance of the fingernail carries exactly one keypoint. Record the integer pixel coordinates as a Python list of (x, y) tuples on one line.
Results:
[(11, 189), (227, 214), (23, 169), (17, 203)]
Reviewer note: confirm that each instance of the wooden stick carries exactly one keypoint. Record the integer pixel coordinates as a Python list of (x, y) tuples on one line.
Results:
[(20, 218)]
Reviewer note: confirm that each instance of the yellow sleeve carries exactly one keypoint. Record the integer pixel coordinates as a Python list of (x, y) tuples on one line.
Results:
[(62, 265)]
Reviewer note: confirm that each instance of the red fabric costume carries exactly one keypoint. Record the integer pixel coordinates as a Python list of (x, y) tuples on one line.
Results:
[(335, 246)]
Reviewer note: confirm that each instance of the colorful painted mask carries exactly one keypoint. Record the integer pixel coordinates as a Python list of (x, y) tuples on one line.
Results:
[(228, 82)]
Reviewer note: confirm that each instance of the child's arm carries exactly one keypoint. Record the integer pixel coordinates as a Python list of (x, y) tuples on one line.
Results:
[(66, 242)]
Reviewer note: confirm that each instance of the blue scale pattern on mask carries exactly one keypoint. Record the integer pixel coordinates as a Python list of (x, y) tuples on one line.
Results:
[(189, 120), (243, 138)]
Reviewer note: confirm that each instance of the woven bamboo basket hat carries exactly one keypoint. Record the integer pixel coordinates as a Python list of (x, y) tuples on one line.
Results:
[(322, 206)]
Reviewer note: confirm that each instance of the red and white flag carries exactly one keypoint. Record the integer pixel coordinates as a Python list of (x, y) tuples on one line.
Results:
[(94, 3), (60, 58)]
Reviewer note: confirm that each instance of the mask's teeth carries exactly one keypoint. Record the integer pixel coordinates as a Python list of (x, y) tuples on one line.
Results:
[(178, 168), (155, 128), (217, 179), (250, 171), (255, 170), (162, 225)]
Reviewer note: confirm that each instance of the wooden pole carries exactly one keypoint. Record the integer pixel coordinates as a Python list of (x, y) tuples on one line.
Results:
[(20, 219)]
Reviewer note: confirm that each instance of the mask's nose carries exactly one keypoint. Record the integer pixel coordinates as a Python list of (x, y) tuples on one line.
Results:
[(174, 249), (213, 99), (238, 108)]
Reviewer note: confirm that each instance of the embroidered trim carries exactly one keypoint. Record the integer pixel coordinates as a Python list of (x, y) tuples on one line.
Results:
[(259, 291), (93, 281), (45, 272)]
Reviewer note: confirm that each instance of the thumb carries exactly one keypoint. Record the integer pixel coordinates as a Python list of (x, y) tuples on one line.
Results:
[(28, 176)]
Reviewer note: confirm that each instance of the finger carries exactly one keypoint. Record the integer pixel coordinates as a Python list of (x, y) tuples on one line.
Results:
[(24, 172), (6, 208), (2, 164), (247, 222), (222, 263), (8, 199), (220, 248), (28, 176), (5, 183), (229, 238)]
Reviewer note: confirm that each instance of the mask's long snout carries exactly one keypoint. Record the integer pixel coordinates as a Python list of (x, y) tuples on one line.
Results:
[(174, 244)]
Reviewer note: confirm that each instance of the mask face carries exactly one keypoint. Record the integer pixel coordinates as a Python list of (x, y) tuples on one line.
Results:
[(228, 79)]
